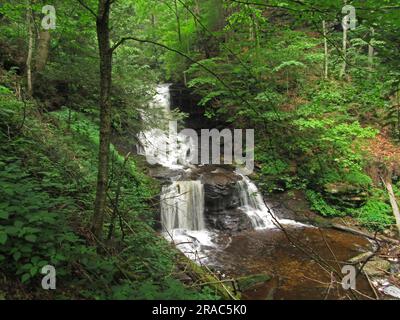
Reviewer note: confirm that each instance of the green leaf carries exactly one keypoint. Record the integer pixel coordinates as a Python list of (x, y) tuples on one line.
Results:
[(30, 238), (3, 237), (25, 277), (17, 255), (4, 214)]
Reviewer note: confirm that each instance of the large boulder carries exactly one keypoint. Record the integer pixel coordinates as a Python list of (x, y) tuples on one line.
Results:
[(222, 198), (231, 221), (377, 267)]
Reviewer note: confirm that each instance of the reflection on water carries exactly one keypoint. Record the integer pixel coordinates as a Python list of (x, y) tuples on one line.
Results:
[(295, 274)]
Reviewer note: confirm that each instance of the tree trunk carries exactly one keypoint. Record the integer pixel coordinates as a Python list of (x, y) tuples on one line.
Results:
[(197, 12), (344, 66), (42, 50), (29, 18), (371, 51), (393, 202), (344, 53), (326, 61), (178, 22), (105, 52)]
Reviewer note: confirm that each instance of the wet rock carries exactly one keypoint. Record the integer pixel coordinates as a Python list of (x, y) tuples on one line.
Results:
[(164, 174), (231, 221), (392, 291), (377, 267), (361, 257), (248, 282), (222, 198), (345, 194)]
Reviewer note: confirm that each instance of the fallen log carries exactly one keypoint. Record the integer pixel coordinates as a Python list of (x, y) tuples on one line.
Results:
[(393, 201), (364, 234), (203, 276)]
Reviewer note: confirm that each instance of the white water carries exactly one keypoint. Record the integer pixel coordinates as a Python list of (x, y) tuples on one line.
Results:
[(182, 206), (182, 202), (157, 144), (252, 203), (182, 217)]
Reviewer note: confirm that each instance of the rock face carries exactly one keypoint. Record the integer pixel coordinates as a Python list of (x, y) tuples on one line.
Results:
[(345, 194), (184, 100), (377, 267), (231, 221), (222, 199)]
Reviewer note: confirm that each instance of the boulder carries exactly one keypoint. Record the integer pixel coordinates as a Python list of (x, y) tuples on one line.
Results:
[(377, 267), (222, 201), (231, 221), (392, 291)]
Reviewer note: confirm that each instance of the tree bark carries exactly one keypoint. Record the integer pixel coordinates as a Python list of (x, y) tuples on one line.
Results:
[(105, 52), (344, 66), (393, 202), (178, 22), (42, 50), (371, 51), (344, 53), (326, 61), (29, 18)]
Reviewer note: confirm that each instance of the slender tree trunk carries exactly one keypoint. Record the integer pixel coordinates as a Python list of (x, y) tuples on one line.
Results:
[(178, 22), (393, 202), (371, 50), (197, 12), (29, 18), (42, 50), (344, 53), (103, 36), (255, 35), (398, 113), (326, 58)]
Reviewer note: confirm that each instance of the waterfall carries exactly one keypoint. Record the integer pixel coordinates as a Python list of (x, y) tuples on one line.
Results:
[(157, 144), (252, 203), (183, 202), (182, 206), (182, 217)]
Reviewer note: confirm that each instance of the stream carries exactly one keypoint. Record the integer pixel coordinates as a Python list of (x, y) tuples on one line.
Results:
[(217, 217)]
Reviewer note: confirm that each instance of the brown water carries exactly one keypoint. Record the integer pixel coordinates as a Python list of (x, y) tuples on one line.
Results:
[(295, 274)]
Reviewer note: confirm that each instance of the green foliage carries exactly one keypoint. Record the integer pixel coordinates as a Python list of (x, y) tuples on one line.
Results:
[(319, 205), (170, 290), (47, 179), (376, 215), (33, 231)]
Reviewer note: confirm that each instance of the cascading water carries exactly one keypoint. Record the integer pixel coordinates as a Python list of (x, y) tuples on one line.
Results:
[(157, 144), (182, 202), (252, 203), (182, 217), (182, 206)]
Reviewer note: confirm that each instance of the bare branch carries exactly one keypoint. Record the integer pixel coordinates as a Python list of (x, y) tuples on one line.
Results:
[(83, 4), (123, 40)]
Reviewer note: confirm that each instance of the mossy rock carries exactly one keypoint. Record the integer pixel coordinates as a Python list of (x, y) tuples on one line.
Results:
[(203, 275), (248, 282), (321, 222)]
